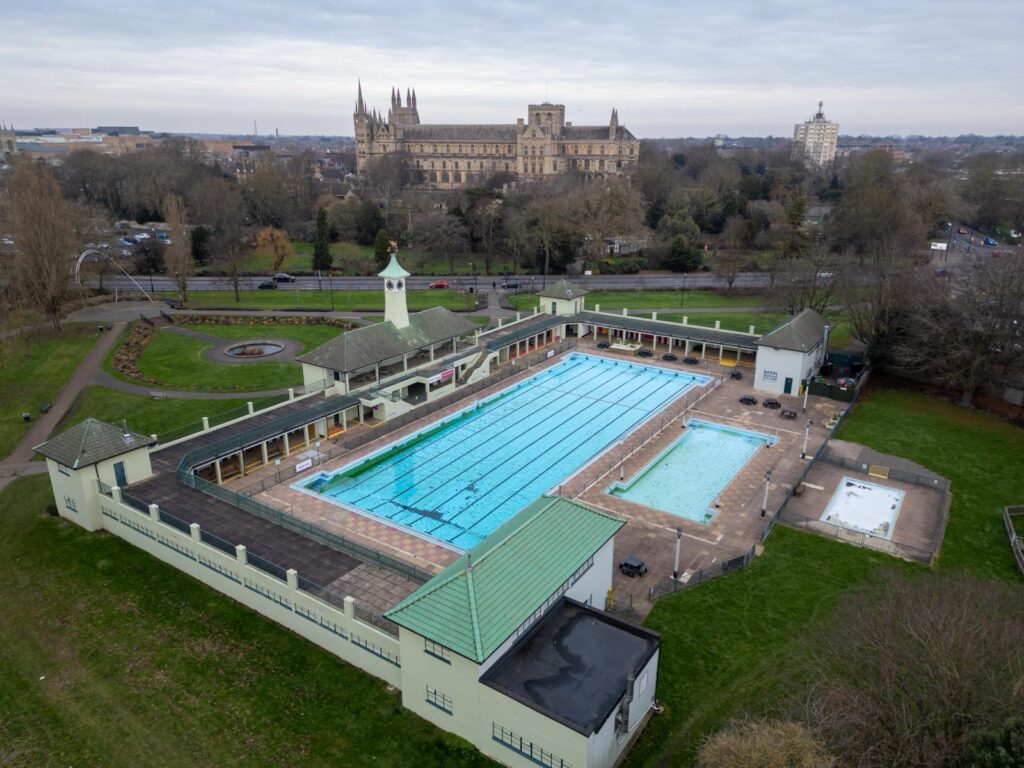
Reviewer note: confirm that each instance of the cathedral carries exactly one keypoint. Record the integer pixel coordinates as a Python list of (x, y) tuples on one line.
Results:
[(441, 156)]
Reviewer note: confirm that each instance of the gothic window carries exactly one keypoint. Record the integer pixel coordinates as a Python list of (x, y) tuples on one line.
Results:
[(444, 163), (576, 149), (602, 149), (600, 165), (630, 150), (457, 178), (590, 149), (586, 165), (542, 151), (444, 177)]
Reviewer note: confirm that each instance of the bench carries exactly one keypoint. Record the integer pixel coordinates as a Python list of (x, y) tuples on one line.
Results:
[(748, 400), (788, 414), (158, 395)]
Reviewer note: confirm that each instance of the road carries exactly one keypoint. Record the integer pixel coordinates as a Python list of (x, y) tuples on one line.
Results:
[(590, 282)]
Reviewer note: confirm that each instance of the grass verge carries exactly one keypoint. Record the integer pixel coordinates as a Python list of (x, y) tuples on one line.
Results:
[(339, 300)]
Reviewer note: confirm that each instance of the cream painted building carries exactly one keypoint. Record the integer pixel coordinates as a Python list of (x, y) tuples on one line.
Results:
[(443, 156), (815, 140)]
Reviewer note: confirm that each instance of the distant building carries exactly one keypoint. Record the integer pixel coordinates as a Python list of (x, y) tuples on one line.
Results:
[(440, 156), (55, 145), (815, 140), (8, 144)]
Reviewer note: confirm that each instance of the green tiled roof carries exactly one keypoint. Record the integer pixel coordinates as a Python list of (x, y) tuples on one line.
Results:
[(563, 289), (393, 269), (801, 333), (90, 442), (473, 609)]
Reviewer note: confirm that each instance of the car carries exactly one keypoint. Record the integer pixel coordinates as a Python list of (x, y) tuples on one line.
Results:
[(825, 275), (267, 285), (668, 357), (632, 566), (645, 353), (961, 230), (125, 242), (165, 242), (989, 241), (691, 360), (161, 235), (439, 284), (510, 285), (283, 277), (142, 236)]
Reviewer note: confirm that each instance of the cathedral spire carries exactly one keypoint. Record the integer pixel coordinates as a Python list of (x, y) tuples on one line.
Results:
[(408, 99), (414, 98), (360, 105)]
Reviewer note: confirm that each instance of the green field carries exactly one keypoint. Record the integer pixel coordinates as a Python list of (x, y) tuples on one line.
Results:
[(730, 321), (979, 452), (148, 416), (311, 335), (33, 368), (338, 300), (109, 657), (653, 299)]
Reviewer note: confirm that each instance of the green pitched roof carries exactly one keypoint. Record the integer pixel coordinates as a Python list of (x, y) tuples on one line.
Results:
[(563, 289), (800, 333), (473, 609), (393, 269), (90, 442)]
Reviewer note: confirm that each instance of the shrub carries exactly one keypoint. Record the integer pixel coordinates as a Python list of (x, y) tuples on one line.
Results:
[(763, 744)]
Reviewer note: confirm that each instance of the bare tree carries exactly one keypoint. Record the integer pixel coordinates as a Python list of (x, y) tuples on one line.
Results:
[(178, 255), (222, 208), (910, 666), (45, 228), (443, 235), (810, 281), (961, 333), (277, 242)]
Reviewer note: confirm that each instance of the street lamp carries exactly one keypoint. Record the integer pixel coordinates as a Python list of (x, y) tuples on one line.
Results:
[(807, 434), (675, 566), (317, 444), (277, 463), (767, 482)]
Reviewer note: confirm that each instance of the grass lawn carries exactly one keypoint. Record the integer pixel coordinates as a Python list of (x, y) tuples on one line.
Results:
[(979, 453), (653, 299), (179, 362), (731, 321), (33, 368), (109, 657), (311, 336), (733, 645), (344, 300), (153, 417)]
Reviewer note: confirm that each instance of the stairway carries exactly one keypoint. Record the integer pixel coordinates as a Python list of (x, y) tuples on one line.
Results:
[(481, 358)]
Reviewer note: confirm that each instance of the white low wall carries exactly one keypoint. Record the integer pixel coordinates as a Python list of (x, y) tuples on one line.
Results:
[(333, 629)]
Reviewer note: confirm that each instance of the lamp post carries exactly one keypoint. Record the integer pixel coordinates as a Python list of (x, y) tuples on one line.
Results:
[(277, 463), (807, 434), (764, 501), (317, 444), (675, 565), (807, 389)]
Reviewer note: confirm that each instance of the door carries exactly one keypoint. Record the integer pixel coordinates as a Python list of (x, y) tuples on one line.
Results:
[(120, 478), (554, 308), (788, 389)]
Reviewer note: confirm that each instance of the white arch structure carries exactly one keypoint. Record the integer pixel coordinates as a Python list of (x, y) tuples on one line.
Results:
[(94, 251)]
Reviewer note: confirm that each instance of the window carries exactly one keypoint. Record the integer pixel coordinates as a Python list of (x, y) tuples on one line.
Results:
[(70, 505), (526, 748), (439, 700), (63, 470)]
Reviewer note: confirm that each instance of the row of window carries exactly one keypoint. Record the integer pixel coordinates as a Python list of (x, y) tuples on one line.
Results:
[(439, 700), (467, 164), (527, 749)]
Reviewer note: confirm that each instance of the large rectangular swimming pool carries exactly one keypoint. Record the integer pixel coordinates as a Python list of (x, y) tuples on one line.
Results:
[(458, 480), (687, 477)]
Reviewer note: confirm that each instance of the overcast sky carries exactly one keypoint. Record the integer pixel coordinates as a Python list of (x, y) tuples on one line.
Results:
[(673, 68)]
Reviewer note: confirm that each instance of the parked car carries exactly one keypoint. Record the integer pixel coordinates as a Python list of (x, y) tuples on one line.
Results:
[(510, 285), (439, 284), (161, 235), (632, 566), (691, 360), (961, 230), (267, 285), (125, 242), (283, 277), (141, 236), (668, 357), (989, 241)]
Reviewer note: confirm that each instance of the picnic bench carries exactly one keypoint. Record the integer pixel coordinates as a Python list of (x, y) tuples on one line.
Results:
[(788, 414)]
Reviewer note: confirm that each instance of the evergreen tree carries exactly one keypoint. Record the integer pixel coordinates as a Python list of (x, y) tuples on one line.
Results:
[(382, 248), (321, 243)]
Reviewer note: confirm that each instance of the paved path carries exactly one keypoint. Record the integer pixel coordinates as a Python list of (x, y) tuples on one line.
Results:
[(104, 379), (15, 464)]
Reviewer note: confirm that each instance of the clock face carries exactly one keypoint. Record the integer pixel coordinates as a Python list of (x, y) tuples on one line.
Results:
[(400, 284), (390, 285)]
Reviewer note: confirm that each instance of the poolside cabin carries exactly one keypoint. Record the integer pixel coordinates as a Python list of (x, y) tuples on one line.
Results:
[(90, 452), (561, 298), (510, 647), (407, 359), (790, 355)]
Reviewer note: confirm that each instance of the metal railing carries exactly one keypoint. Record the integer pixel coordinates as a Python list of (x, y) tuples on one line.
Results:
[(668, 586), (1016, 542), (375, 620)]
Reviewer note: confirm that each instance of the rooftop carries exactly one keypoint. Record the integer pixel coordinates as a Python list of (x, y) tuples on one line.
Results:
[(363, 347), (393, 269), (801, 333), (574, 665), (563, 289), (91, 442), (476, 603)]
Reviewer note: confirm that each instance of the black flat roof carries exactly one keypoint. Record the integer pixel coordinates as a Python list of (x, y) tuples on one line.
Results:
[(573, 665)]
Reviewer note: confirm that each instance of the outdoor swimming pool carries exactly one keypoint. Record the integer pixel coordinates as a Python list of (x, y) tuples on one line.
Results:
[(687, 477), (865, 507), (458, 480)]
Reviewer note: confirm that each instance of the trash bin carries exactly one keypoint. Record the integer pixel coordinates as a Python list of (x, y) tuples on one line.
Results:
[(44, 407), (26, 417)]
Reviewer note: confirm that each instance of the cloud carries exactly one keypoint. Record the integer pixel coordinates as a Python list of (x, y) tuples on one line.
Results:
[(672, 68)]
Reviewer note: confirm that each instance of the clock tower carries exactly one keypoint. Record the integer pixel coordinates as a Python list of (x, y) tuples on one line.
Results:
[(395, 310)]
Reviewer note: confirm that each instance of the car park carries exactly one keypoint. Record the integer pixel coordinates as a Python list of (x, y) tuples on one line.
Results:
[(439, 284), (267, 285), (691, 360), (283, 277), (668, 357)]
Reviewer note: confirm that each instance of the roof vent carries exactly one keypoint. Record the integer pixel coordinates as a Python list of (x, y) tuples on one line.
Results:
[(126, 436)]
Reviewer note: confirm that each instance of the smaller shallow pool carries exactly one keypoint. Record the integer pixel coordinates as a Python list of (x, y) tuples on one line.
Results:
[(864, 507), (254, 349), (687, 477)]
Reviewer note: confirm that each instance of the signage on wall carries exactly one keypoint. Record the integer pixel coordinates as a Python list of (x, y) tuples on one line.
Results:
[(442, 376), (769, 375), (302, 466)]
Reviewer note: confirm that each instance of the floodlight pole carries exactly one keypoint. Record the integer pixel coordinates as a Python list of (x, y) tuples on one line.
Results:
[(764, 502), (807, 434), (807, 389), (675, 566), (316, 443), (277, 463)]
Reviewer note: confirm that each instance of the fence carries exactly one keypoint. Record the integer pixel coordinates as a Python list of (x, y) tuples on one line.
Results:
[(1016, 542)]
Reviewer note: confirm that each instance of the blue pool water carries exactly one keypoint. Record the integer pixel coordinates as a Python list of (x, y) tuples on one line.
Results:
[(458, 480), (686, 478)]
